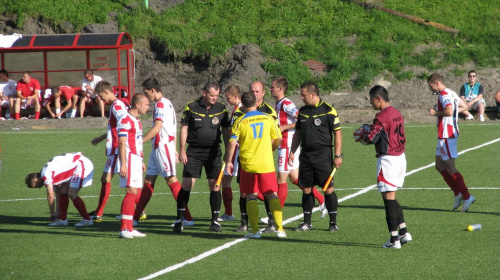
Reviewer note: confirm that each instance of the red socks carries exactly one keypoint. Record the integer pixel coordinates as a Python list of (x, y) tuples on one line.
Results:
[(144, 197), (103, 198), (128, 206), (63, 206), (450, 182), (227, 199), (80, 206), (282, 193), (459, 183), (16, 116), (37, 115)]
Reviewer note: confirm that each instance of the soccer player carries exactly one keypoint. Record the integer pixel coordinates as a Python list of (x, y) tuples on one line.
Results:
[(316, 123), (287, 116), (28, 89), (387, 133), (258, 136), (257, 88), (116, 112), (163, 156), (131, 162), (89, 83), (69, 97), (8, 92), (201, 124), (64, 175), (233, 97), (446, 111)]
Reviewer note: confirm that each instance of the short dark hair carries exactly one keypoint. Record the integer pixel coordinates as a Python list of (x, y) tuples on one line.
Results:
[(30, 178), (310, 87), (435, 78), (281, 82), (3, 71), (472, 71), (210, 85), (248, 99), (102, 86), (88, 71), (137, 99), (54, 90), (151, 83), (27, 72), (379, 91)]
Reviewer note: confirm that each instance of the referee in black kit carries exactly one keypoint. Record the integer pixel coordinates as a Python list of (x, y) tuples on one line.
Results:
[(313, 131), (201, 124)]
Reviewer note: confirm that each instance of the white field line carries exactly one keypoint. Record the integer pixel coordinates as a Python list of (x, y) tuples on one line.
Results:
[(230, 244), (298, 190)]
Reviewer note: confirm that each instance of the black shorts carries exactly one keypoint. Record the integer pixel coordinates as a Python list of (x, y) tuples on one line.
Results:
[(210, 158), (315, 167)]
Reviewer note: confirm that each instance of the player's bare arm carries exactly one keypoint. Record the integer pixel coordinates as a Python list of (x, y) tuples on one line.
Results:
[(153, 131), (337, 161), (51, 201), (295, 144), (182, 144), (122, 150), (286, 127), (277, 143), (229, 154), (448, 111)]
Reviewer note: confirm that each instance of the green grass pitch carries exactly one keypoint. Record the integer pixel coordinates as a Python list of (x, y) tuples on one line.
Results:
[(442, 248)]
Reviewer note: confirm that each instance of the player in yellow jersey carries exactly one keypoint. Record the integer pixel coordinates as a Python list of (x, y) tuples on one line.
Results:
[(258, 136)]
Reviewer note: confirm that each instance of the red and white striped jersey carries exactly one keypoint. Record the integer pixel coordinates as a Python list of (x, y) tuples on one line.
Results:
[(164, 111), (131, 128), (447, 126), (61, 168), (235, 113), (287, 111), (117, 111)]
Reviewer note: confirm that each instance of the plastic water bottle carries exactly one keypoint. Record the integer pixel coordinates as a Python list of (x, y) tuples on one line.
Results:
[(474, 227)]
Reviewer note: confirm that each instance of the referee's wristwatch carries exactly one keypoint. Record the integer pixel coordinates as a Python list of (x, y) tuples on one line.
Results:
[(339, 156)]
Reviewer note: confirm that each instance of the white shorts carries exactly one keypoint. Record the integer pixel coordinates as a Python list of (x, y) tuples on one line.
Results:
[(25, 103), (283, 155), (112, 164), (82, 177), (476, 104), (391, 172), (236, 164), (447, 148), (162, 160), (134, 172)]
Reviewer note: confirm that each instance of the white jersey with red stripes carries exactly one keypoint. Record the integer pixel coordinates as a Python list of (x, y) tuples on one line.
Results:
[(117, 111), (60, 169), (286, 111), (131, 128), (447, 125), (164, 111)]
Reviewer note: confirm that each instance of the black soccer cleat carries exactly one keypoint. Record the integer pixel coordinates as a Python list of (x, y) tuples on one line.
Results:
[(178, 226), (215, 226), (243, 227), (333, 227), (271, 227), (303, 227)]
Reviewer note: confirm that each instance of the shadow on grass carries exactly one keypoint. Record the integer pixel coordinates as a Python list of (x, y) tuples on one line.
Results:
[(418, 209)]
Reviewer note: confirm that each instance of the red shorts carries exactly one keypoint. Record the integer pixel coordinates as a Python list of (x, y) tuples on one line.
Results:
[(264, 183)]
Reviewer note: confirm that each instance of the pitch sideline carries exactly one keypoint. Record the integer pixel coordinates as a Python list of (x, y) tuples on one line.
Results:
[(230, 244)]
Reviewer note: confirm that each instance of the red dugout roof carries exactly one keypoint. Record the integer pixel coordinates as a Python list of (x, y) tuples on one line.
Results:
[(73, 41)]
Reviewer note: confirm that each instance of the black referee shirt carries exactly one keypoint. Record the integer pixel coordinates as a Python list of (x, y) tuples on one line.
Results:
[(316, 123), (204, 124)]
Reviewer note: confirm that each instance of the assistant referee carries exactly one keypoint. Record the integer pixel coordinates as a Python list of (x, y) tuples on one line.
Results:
[(317, 125), (201, 125)]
